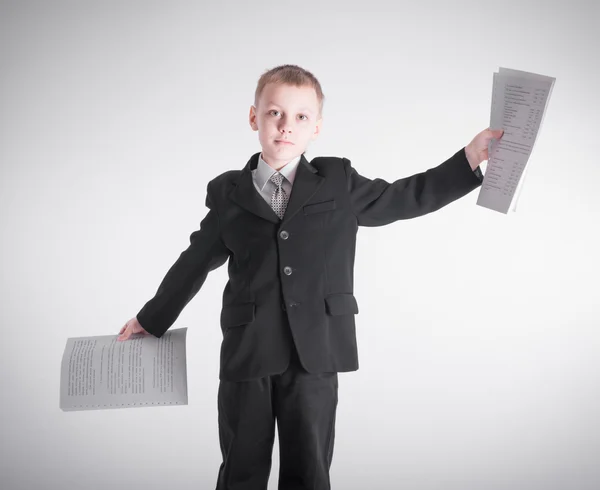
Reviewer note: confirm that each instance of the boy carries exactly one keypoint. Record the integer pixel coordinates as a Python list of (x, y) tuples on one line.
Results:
[(288, 315)]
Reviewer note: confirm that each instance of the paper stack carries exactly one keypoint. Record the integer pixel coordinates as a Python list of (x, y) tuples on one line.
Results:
[(519, 101)]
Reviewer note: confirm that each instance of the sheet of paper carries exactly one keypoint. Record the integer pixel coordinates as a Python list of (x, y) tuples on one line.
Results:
[(519, 101), (101, 372)]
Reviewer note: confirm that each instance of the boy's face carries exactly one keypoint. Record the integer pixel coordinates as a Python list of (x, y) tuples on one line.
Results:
[(285, 112)]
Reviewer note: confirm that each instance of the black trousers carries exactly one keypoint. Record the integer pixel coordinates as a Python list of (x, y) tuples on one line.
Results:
[(304, 406)]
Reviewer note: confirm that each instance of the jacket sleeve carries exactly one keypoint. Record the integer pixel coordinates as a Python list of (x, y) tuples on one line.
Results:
[(186, 276), (376, 202)]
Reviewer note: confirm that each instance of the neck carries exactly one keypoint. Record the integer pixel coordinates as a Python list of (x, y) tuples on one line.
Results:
[(275, 164)]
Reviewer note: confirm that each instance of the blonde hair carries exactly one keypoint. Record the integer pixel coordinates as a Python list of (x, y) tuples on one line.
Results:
[(290, 75)]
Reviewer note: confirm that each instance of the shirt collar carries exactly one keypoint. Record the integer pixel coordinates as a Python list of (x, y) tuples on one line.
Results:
[(264, 171)]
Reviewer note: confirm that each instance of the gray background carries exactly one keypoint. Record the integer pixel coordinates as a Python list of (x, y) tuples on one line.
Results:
[(478, 331)]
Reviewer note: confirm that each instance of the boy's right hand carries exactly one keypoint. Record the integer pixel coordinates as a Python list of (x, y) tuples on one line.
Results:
[(131, 327)]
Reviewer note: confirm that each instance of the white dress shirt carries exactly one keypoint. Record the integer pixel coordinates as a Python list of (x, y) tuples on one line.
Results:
[(261, 176)]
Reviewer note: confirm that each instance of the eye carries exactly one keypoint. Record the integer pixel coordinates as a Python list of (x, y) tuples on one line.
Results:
[(301, 115)]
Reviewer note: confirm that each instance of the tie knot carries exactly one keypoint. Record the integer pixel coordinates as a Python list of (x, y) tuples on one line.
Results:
[(277, 179)]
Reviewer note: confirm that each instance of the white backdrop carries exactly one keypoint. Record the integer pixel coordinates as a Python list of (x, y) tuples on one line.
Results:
[(478, 331)]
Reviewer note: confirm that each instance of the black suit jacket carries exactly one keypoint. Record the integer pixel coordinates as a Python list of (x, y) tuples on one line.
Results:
[(300, 267)]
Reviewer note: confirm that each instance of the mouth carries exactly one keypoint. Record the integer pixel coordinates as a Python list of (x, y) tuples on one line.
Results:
[(283, 142)]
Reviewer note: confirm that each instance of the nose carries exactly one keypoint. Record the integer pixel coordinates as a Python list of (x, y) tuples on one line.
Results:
[(284, 126)]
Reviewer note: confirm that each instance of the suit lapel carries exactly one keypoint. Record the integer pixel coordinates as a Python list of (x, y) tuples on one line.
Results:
[(246, 195), (306, 182)]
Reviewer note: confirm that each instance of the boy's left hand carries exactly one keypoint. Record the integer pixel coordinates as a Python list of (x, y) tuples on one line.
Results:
[(477, 150)]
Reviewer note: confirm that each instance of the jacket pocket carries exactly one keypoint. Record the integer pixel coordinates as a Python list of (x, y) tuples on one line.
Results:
[(237, 314), (341, 304), (319, 207)]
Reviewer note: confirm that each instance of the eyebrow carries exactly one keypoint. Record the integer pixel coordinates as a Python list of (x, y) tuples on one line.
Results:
[(301, 109)]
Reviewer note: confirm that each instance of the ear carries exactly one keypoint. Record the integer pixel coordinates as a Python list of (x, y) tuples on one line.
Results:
[(318, 127), (252, 118)]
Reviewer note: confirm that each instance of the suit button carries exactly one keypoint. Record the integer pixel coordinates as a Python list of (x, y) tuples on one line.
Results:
[(284, 235), (283, 306), (288, 270)]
